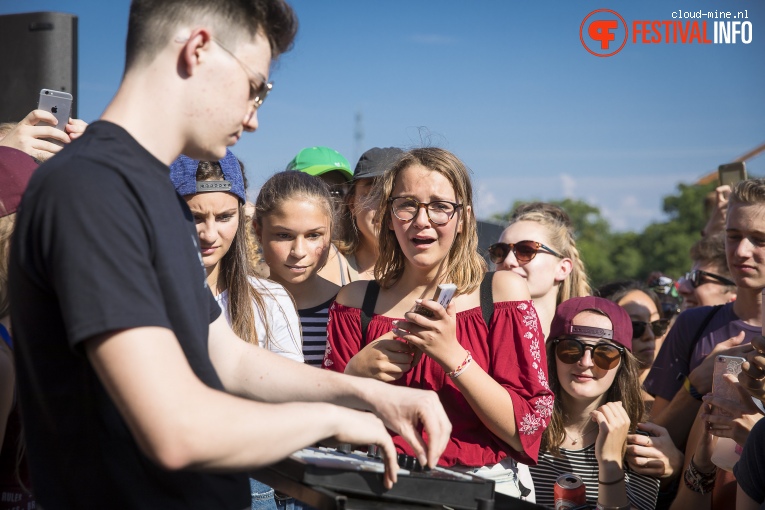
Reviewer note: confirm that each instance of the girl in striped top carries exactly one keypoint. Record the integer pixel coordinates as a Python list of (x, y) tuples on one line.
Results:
[(294, 216), (597, 402)]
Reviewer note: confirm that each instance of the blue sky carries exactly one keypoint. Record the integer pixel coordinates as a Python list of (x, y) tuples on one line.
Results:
[(505, 85)]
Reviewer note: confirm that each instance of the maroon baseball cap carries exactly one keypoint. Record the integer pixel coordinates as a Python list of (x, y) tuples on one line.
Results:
[(16, 168), (620, 320)]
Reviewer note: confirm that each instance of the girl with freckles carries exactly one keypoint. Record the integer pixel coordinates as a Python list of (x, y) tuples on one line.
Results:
[(294, 215), (483, 354)]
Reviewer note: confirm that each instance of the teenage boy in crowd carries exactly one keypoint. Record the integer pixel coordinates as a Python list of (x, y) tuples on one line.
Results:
[(682, 372), (134, 391)]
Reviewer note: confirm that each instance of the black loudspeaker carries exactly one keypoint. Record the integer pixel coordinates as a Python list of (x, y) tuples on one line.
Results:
[(39, 52)]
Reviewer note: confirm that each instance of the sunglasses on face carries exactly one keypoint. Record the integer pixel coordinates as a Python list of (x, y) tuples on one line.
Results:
[(695, 278), (524, 251), (658, 327), (604, 355)]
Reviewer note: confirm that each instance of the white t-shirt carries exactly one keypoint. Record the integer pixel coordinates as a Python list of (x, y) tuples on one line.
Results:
[(282, 319)]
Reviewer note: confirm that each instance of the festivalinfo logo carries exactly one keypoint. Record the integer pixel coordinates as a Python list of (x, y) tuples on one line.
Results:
[(604, 32)]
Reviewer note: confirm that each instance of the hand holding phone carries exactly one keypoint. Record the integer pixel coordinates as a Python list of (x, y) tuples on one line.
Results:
[(720, 386), (443, 296), (59, 104), (732, 173)]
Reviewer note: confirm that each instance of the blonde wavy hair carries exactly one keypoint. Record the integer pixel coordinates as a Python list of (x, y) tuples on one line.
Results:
[(464, 266), (557, 224)]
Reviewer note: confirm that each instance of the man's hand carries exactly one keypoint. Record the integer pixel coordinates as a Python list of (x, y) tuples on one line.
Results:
[(34, 140), (656, 455), (738, 418), (404, 409), (701, 376), (752, 375), (364, 428)]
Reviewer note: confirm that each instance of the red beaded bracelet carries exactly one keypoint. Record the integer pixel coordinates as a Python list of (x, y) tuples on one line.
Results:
[(458, 371)]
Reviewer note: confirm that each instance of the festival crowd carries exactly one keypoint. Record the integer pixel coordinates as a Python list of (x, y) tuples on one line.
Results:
[(163, 336)]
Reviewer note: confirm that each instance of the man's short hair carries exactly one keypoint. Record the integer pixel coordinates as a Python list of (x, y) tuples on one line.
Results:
[(153, 23), (710, 250), (750, 191)]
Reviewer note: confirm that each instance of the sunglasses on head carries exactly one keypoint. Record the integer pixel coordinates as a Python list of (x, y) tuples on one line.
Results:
[(570, 350), (695, 278), (524, 251), (658, 327)]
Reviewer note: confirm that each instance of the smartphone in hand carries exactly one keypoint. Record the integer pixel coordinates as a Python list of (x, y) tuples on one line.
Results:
[(59, 104), (721, 387), (444, 294), (732, 173)]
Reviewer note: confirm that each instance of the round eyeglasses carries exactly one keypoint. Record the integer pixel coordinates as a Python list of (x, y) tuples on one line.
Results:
[(439, 211), (604, 355), (524, 251), (658, 327)]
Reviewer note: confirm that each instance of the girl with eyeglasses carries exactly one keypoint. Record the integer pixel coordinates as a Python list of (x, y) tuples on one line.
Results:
[(490, 375), (597, 402), (538, 244)]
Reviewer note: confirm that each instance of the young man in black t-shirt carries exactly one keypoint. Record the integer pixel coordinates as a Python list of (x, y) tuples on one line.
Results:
[(134, 390)]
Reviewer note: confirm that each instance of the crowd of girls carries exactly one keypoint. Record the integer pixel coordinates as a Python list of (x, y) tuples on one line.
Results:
[(537, 377)]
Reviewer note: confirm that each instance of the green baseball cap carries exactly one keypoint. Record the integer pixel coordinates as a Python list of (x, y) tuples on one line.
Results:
[(320, 160)]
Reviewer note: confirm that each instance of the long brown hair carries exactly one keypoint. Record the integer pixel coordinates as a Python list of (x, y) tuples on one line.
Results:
[(465, 267), (235, 268), (625, 388), (557, 224)]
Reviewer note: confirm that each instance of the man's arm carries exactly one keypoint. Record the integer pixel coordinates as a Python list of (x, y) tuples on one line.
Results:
[(678, 416), (181, 423), (257, 374)]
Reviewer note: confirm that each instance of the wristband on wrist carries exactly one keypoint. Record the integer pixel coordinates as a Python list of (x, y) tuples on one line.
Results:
[(695, 480), (600, 506), (463, 366), (601, 482), (691, 390)]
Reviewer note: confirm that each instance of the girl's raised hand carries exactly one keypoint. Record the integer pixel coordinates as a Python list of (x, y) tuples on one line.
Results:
[(614, 424), (435, 336), (385, 359)]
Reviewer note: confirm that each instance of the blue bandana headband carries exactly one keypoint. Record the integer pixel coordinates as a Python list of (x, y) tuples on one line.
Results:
[(183, 174)]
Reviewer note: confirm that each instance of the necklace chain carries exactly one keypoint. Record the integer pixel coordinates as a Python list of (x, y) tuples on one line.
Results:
[(582, 434)]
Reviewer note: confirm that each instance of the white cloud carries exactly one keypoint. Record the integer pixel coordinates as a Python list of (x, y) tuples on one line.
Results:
[(568, 184)]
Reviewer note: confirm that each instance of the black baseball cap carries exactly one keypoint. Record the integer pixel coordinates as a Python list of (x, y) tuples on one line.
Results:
[(375, 161)]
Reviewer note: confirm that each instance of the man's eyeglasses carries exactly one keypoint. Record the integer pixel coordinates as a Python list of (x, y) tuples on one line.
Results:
[(605, 355), (658, 327), (258, 91), (695, 278), (439, 211), (524, 251)]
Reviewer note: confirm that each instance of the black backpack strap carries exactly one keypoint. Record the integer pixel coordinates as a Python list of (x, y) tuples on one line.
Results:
[(368, 308), (487, 297)]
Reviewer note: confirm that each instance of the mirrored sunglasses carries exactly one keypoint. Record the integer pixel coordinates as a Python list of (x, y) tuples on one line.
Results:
[(604, 355)]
